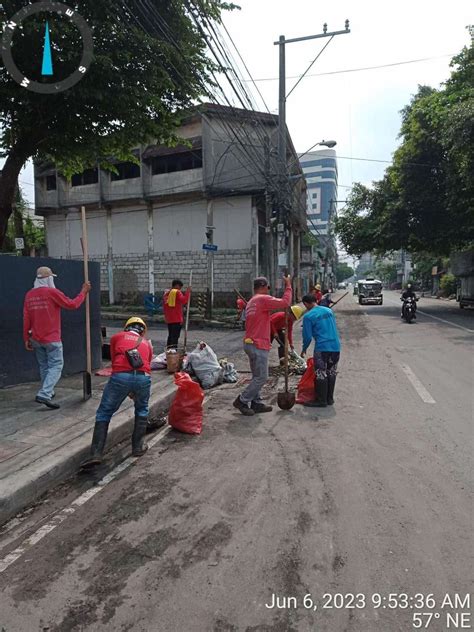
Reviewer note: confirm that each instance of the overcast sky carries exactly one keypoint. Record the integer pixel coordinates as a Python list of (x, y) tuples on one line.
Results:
[(360, 110)]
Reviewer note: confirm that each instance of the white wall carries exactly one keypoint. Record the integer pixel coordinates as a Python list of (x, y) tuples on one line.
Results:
[(55, 226), (129, 232), (177, 227), (58, 227), (182, 227)]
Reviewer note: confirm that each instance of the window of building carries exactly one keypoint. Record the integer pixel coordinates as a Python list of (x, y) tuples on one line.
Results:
[(176, 162), (50, 183), (89, 176), (126, 171)]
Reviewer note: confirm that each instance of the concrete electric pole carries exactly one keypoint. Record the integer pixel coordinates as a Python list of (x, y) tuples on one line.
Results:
[(283, 188)]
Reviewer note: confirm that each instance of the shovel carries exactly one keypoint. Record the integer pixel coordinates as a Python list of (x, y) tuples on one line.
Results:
[(286, 400), (87, 375)]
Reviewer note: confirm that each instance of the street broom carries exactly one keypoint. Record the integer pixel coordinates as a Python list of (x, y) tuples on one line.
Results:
[(286, 400)]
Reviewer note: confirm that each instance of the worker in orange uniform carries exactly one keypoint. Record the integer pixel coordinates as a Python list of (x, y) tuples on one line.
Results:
[(173, 302), (278, 326), (42, 329), (257, 342), (241, 305), (318, 295), (131, 355)]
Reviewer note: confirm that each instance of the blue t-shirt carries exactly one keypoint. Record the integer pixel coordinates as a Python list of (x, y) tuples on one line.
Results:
[(319, 323)]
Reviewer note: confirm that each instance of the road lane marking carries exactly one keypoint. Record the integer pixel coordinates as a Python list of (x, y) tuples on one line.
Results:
[(61, 516), (442, 320), (417, 385), (448, 322)]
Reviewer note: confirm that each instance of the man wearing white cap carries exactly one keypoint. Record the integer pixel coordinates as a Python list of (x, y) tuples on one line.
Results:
[(42, 329)]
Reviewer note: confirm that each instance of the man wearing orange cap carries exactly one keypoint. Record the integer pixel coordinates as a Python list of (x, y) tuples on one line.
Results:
[(42, 329)]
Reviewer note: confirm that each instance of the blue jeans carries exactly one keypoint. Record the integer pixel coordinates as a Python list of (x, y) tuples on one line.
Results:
[(117, 389), (50, 360), (258, 359)]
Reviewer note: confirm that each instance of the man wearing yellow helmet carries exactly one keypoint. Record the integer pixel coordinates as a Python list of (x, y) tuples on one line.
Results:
[(278, 326), (131, 356)]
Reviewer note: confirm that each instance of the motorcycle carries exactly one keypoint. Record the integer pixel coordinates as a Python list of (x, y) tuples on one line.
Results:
[(409, 308)]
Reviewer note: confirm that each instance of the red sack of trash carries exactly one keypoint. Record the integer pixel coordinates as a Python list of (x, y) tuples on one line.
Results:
[(305, 387), (186, 408)]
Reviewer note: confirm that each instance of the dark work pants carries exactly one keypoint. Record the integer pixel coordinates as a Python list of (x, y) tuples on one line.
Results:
[(174, 331), (280, 338)]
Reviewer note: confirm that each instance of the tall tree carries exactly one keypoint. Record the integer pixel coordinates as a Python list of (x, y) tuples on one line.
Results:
[(425, 201), (343, 272), (149, 64)]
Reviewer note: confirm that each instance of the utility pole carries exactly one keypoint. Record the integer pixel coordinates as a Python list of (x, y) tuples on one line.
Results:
[(285, 204), (210, 259), (269, 254)]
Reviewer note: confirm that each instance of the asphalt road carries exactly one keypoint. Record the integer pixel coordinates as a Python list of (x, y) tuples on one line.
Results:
[(370, 497)]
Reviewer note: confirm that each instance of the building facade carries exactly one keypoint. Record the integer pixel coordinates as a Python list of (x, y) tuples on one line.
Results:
[(320, 170), (148, 220)]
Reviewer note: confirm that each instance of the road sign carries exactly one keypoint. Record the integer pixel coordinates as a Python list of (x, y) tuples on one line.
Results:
[(211, 247), (19, 243)]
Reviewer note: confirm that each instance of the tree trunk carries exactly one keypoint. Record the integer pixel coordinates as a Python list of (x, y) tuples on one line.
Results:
[(8, 184)]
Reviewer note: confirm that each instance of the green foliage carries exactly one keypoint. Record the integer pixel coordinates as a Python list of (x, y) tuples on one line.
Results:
[(386, 272), (448, 284), (343, 271), (20, 224), (425, 200), (309, 240)]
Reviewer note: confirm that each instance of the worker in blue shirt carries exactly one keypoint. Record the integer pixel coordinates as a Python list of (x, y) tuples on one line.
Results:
[(319, 323)]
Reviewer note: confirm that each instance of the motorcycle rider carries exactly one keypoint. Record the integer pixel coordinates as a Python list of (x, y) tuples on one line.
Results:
[(408, 293)]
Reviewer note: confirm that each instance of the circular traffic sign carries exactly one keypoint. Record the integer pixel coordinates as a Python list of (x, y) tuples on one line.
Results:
[(47, 69)]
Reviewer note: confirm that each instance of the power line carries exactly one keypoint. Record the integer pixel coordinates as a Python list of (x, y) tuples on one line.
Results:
[(310, 66), (361, 69)]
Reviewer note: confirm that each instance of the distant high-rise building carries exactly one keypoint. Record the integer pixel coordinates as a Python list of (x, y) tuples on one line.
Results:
[(320, 170)]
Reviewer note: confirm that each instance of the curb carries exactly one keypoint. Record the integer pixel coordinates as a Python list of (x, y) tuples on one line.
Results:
[(27, 486), (199, 323)]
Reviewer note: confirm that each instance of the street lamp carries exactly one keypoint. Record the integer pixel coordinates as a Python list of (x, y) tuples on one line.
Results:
[(327, 143)]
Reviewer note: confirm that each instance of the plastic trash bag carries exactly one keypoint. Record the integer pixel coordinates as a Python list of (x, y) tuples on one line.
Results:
[(203, 363), (305, 389), (158, 362), (230, 374), (185, 413)]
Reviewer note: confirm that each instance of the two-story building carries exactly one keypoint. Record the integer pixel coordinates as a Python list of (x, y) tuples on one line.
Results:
[(148, 220)]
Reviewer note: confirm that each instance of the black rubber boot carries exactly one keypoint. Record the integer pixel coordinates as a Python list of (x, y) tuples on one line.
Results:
[(98, 444), (331, 386), (138, 437), (260, 407), (321, 388)]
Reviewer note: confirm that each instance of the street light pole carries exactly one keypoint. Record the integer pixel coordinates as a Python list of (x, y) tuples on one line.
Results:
[(285, 204)]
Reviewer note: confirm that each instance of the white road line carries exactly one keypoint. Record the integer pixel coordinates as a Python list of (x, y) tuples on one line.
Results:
[(448, 322), (417, 385), (442, 320), (81, 500)]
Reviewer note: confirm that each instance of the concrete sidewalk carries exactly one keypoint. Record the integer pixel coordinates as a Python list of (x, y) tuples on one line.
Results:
[(40, 448)]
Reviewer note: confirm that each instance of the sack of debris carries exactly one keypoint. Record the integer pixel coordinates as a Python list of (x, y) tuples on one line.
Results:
[(297, 363), (203, 363), (158, 362), (230, 374), (186, 408), (305, 387)]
